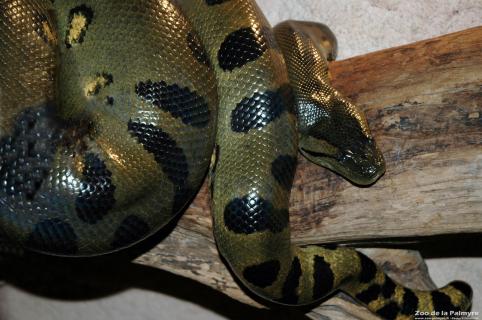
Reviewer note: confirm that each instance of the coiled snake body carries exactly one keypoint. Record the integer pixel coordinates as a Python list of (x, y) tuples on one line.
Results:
[(111, 110)]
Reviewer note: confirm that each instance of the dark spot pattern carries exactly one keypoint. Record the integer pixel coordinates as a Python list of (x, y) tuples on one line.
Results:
[(170, 157), (262, 275), (165, 150), (462, 287), (252, 214), (442, 302), (53, 236), (109, 100), (181, 103), (323, 278), (197, 49), (388, 288), (108, 77), (240, 47), (26, 156), (410, 303), (389, 311), (131, 230), (96, 195), (258, 111), (369, 294), (214, 2), (84, 11), (292, 281), (368, 269), (283, 170)]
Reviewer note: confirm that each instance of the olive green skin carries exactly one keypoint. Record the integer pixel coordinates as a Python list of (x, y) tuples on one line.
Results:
[(125, 102)]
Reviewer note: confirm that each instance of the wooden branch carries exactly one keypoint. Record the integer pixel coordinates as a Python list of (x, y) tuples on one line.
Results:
[(424, 104), (195, 256)]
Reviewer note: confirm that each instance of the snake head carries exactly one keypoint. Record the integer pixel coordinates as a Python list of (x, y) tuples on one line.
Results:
[(332, 131), (340, 140)]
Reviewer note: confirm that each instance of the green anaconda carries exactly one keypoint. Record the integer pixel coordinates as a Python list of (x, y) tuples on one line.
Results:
[(112, 113)]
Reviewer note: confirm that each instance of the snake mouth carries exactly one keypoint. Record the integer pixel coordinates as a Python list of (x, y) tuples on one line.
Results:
[(362, 171), (360, 168)]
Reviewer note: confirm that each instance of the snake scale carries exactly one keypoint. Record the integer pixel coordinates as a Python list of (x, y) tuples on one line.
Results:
[(112, 113)]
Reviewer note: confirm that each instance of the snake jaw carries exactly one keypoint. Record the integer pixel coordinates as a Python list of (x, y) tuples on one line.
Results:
[(362, 166)]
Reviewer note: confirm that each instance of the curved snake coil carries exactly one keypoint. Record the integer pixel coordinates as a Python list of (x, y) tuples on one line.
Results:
[(111, 110)]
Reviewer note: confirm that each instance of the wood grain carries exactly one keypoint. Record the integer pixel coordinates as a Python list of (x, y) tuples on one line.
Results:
[(194, 256), (424, 105), (423, 102)]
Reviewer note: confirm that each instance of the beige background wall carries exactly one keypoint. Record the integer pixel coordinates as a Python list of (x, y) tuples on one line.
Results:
[(361, 26)]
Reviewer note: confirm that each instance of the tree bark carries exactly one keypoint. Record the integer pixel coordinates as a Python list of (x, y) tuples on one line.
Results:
[(423, 102)]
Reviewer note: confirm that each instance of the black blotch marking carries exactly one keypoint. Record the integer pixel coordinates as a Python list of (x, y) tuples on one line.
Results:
[(388, 288), (389, 311), (410, 303), (368, 269), (369, 294), (108, 77), (258, 111), (463, 287), (214, 2), (197, 49), (131, 230), (165, 150), (170, 157), (240, 47), (283, 170), (96, 195), (323, 278), (53, 236), (252, 214), (27, 156), (109, 100), (181, 103), (262, 275), (291, 283), (442, 302), (85, 11)]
